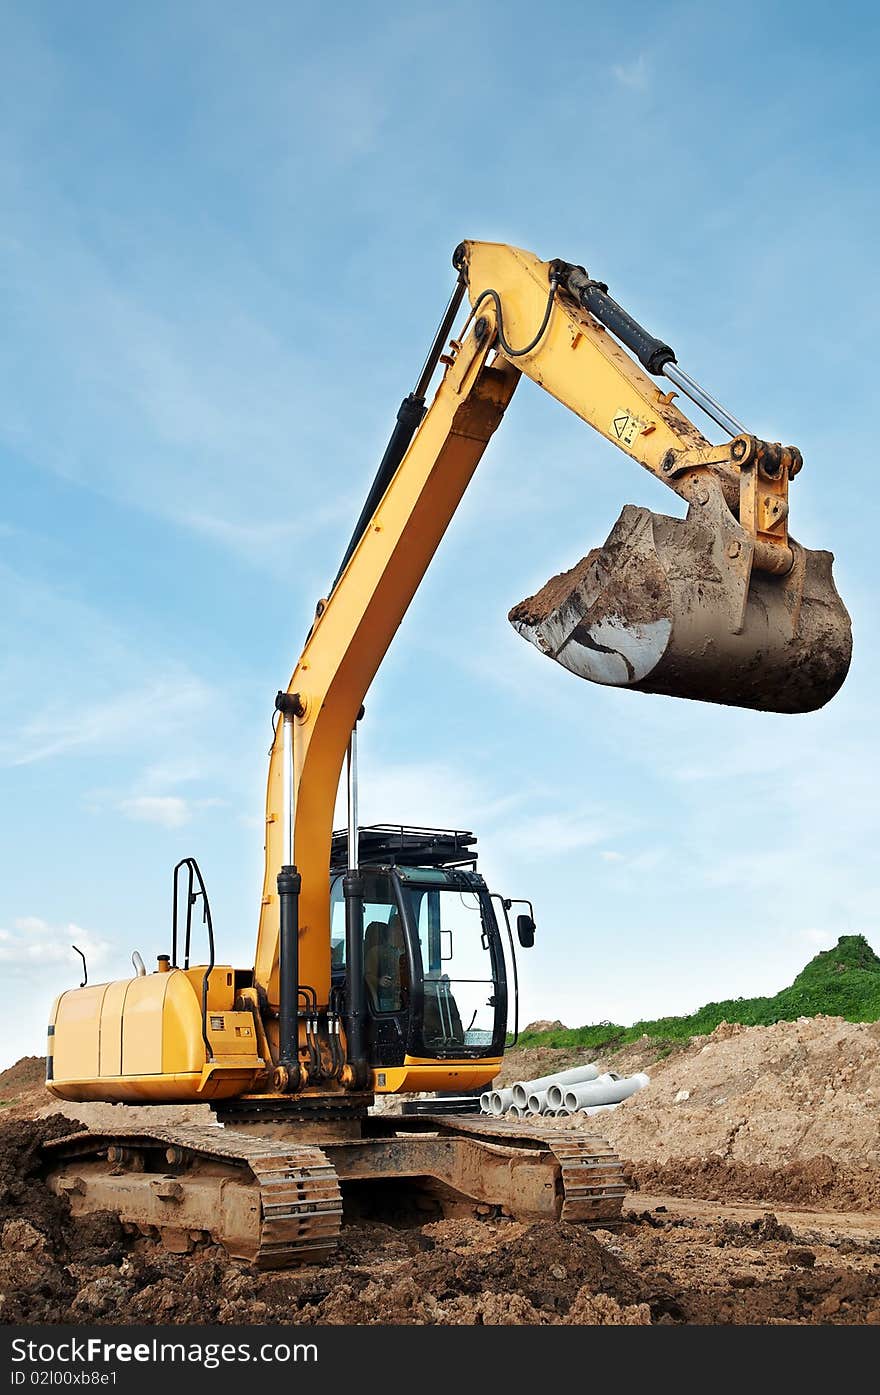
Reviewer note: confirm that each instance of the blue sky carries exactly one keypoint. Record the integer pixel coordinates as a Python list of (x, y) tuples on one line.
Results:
[(225, 240)]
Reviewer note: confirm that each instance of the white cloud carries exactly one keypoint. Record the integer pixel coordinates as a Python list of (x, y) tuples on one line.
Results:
[(180, 382), (819, 939), (37, 961), (167, 774), (542, 835), (22, 951), (31, 925), (607, 855), (64, 727), (266, 542), (537, 836), (435, 794), (635, 75), (169, 810)]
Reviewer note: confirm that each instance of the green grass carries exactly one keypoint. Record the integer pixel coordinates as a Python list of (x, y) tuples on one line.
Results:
[(840, 982)]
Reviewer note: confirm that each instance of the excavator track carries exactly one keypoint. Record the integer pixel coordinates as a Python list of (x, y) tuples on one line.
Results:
[(277, 1203), (272, 1203), (591, 1173)]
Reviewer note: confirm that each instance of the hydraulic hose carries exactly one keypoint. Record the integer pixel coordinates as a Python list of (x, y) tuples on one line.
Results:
[(490, 294)]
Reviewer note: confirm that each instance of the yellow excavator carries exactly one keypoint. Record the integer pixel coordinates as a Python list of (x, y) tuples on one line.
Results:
[(383, 963)]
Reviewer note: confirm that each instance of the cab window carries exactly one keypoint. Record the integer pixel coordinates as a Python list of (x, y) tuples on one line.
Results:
[(459, 983)]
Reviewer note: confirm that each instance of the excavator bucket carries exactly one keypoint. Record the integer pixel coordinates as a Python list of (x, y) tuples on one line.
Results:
[(674, 606)]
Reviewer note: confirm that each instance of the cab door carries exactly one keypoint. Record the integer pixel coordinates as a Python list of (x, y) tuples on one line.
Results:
[(387, 965)]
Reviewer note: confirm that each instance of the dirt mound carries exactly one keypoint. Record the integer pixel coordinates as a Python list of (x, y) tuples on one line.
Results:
[(816, 1182), (23, 1095), (677, 1271), (764, 1097), (25, 1075), (37, 1234), (528, 1062), (22, 1194)]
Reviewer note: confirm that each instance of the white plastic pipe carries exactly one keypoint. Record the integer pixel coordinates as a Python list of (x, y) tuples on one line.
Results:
[(606, 1078), (556, 1093), (486, 1102), (523, 1088), (537, 1103), (604, 1091), (514, 1112), (500, 1101)]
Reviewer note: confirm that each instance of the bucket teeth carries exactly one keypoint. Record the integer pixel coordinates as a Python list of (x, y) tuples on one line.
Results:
[(674, 606)]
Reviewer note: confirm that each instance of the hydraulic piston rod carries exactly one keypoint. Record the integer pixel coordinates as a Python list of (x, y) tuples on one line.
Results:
[(654, 356), (704, 400), (353, 891), (289, 886)]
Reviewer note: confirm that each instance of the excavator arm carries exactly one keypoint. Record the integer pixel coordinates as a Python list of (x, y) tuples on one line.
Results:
[(583, 366), (351, 633), (668, 605)]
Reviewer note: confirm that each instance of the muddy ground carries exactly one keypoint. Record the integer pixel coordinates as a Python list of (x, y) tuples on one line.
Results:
[(662, 1265), (726, 1223)]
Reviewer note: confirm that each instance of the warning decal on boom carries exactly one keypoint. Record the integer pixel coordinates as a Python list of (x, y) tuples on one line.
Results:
[(625, 426)]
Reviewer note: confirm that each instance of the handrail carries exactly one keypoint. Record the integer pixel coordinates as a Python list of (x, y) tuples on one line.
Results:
[(193, 874)]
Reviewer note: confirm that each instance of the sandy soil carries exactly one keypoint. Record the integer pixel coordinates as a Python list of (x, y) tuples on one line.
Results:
[(788, 1113), (761, 1096)]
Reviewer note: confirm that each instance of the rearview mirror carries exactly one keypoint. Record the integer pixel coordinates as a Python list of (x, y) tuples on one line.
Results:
[(525, 931)]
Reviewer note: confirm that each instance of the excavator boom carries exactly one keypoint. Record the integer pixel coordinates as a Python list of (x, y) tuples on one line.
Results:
[(722, 606)]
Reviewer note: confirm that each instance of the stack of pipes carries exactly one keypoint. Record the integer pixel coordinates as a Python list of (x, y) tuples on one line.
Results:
[(581, 1090)]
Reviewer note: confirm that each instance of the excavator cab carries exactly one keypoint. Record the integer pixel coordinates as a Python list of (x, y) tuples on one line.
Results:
[(434, 968)]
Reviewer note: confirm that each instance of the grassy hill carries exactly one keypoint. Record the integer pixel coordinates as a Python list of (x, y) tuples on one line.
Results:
[(840, 982)]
